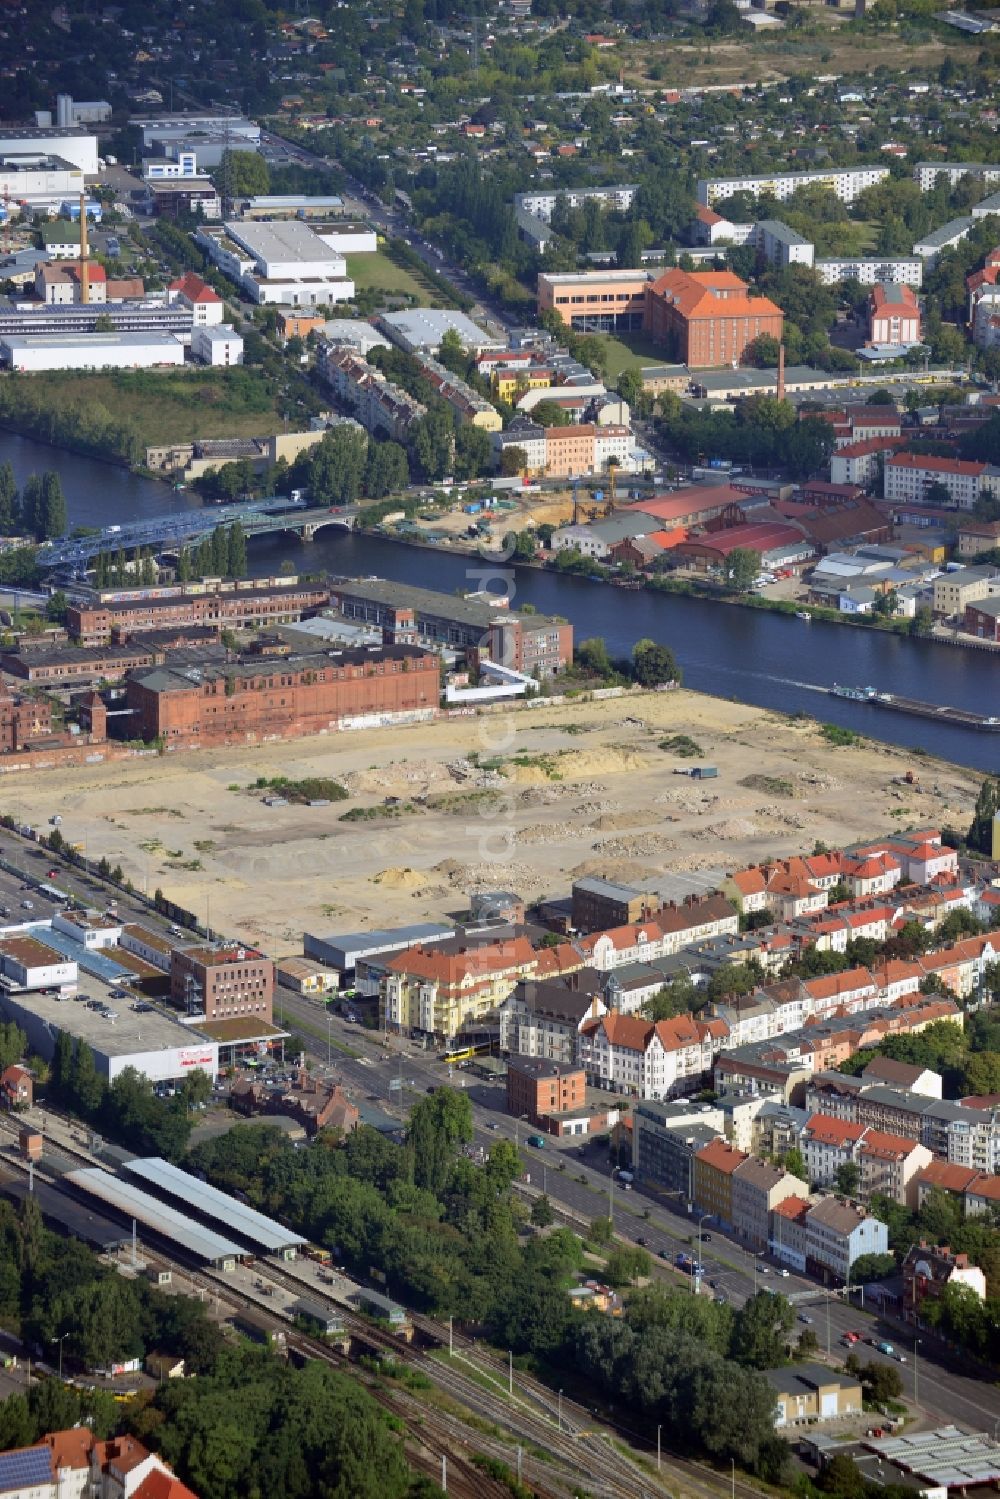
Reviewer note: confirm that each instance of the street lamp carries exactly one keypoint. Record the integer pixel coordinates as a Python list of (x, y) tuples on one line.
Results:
[(658, 1430), (60, 1341), (517, 1130), (611, 1197), (916, 1372), (560, 1410)]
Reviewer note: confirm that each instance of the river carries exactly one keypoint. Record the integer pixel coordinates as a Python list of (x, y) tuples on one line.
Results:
[(773, 661)]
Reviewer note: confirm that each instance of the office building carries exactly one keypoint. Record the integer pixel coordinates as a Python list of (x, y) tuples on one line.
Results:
[(224, 982)]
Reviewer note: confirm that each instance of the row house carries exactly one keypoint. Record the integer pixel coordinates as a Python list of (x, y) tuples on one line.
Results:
[(545, 1019), (439, 991), (757, 1189), (828, 1144), (890, 1165), (928, 1271), (833, 929), (673, 928), (961, 967), (853, 989), (787, 1232), (714, 1168), (962, 1136), (921, 855), (630, 1055), (838, 1233)]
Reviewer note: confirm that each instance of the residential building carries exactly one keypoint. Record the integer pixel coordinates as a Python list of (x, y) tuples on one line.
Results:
[(889, 1165), (861, 462), (706, 319), (438, 991), (780, 245), (928, 1270), (933, 245), (909, 1075), (223, 982), (544, 1018), (811, 1393), (666, 1137), (908, 476), (648, 1060), (837, 1234), (788, 1233), (827, 1145), (378, 404), (927, 173), (285, 696), (191, 291), (906, 269), (74, 1465), (536, 1087), (893, 316), (845, 182), (17, 1088), (310, 1101), (757, 1189), (714, 1168), (541, 204)]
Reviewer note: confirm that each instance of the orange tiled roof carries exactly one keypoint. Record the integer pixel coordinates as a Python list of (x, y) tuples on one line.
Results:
[(721, 1156)]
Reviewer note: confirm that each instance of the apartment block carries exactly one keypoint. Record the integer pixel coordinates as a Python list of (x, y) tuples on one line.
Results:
[(536, 1088), (908, 476), (845, 182), (714, 1169), (838, 1233), (757, 1189)]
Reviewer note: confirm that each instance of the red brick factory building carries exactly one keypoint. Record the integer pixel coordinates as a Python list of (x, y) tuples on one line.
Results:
[(284, 697), (240, 606)]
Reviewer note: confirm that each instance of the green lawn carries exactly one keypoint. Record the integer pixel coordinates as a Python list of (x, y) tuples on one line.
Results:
[(378, 273), (630, 351)]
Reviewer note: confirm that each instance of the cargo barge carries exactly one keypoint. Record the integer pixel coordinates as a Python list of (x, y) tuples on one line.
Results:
[(961, 717)]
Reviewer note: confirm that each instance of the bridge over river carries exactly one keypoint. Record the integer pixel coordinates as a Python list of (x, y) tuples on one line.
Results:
[(169, 533)]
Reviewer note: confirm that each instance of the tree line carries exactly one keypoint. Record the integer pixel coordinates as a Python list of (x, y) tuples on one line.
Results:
[(39, 510), (223, 554), (128, 1110)]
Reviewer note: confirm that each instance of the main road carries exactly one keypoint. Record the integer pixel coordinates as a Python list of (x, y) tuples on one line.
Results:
[(577, 1180)]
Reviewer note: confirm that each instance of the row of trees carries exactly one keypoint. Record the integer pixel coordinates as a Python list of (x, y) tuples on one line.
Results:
[(761, 431), (116, 570), (39, 510), (651, 664), (223, 554)]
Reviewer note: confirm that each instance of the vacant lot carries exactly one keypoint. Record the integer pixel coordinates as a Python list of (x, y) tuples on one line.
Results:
[(626, 351), (581, 788), (378, 273)]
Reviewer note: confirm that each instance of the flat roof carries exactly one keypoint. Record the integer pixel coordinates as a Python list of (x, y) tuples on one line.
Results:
[(208, 1201), (130, 1034), (160, 1219), (433, 604), (946, 1458), (284, 239), (66, 1213), (151, 340), (428, 325), (30, 952)]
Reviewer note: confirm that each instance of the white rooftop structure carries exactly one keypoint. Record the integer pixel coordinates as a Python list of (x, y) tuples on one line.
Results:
[(153, 1214), (269, 1235), (419, 330), (286, 248), (946, 1459), (354, 333)]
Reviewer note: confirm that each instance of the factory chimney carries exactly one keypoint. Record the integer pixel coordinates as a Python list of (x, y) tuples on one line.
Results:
[(781, 372), (84, 253)]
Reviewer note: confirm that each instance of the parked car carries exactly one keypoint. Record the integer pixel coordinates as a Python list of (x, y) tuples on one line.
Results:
[(806, 1319), (763, 1269)]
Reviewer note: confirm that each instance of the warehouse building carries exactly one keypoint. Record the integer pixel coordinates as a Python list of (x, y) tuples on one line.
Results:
[(284, 262), (419, 330), (26, 964), (78, 147), (343, 953), (90, 351)]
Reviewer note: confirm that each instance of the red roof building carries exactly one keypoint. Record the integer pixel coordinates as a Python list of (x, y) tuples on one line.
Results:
[(707, 319)]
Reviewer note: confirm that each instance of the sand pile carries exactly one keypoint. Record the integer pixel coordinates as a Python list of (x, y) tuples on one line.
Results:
[(401, 878)]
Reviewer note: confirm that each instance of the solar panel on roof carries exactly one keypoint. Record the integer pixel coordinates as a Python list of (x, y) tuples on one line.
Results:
[(27, 1468)]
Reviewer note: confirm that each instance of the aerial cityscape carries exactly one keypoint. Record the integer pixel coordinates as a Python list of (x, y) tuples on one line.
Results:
[(499, 750)]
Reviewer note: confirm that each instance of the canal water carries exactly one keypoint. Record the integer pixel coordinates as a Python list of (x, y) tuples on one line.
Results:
[(773, 661)]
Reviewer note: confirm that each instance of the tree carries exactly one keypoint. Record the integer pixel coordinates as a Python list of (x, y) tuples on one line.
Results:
[(625, 1265), (51, 517), (473, 452), (848, 1178), (433, 442), (743, 568), (242, 174), (654, 665), (795, 1164), (336, 467), (680, 996), (550, 414), (56, 607), (762, 352), (8, 501), (592, 656), (761, 1330), (980, 834), (868, 1267), (437, 1126), (387, 470), (237, 551), (542, 1215), (513, 461)]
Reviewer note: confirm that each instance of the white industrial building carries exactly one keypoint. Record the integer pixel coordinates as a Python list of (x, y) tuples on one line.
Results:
[(28, 964), (90, 351), (78, 147), (845, 182), (210, 135), (218, 344), (355, 334), (419, 330), (348, 239), (283, 264), (37, 180), (70, 111), (166, 169)]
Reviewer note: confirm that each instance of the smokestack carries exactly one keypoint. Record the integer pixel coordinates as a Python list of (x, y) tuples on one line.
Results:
[(84, 253), (781, 372)]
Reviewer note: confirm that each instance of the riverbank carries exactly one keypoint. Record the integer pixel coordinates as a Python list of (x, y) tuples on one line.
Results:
[(584, 787)]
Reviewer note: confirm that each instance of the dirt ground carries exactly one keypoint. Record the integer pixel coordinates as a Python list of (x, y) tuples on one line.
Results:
[(584, 788)]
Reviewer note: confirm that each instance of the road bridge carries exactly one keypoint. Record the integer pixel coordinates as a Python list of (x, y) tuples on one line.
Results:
[(168, 534)]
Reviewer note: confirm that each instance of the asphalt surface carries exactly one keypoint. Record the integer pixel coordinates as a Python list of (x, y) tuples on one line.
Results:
[(576, 1178)]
